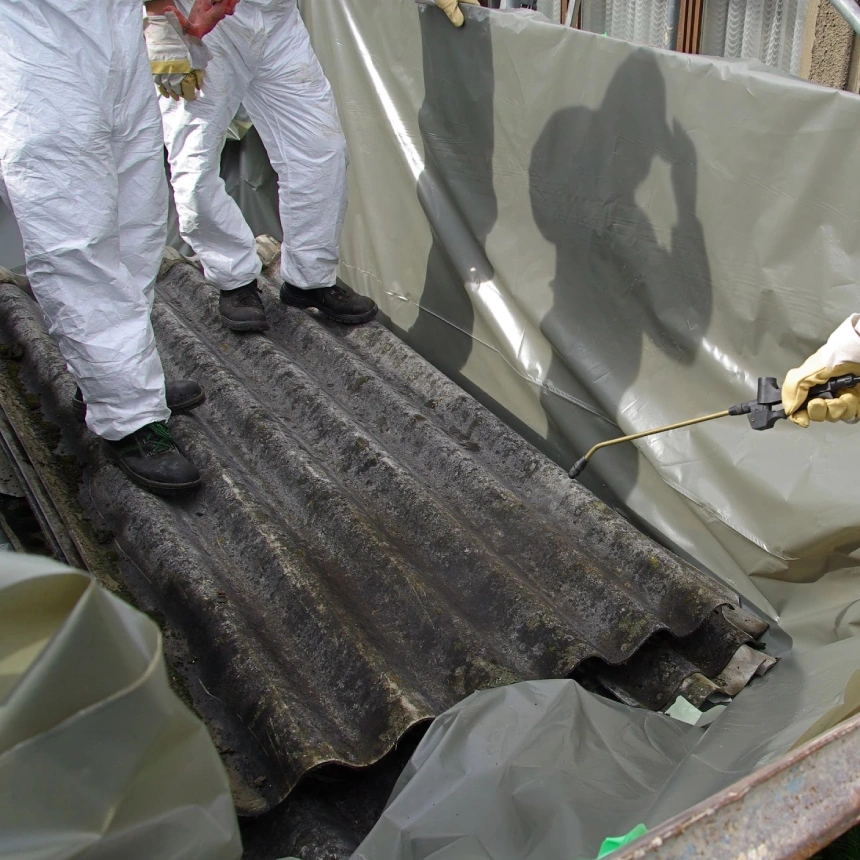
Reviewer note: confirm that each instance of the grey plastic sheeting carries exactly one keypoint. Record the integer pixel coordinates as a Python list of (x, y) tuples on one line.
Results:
[(597, 238), (98, 758), (499, 776), (544, 769)]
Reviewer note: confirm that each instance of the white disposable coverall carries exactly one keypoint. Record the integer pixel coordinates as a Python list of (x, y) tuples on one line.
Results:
[(262, 57), (81, 169)]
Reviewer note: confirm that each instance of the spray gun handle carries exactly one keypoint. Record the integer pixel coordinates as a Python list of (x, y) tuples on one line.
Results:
[(767, 409), (763, 412), (830, 389)]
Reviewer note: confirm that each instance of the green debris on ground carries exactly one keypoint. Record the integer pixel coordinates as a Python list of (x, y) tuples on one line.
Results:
[(613, 843)]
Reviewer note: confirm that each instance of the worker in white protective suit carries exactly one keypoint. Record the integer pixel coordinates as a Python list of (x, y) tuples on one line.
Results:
[(262, 58), (838, 357), (81, 169)]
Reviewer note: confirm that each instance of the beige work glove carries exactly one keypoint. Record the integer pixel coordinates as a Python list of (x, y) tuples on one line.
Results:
[(840, 355), (176, 59), (450, 8)]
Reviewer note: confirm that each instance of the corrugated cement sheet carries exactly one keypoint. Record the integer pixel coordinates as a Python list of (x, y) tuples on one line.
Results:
[(371, 546)]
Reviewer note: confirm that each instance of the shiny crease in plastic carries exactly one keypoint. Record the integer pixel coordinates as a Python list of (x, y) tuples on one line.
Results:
[(98, 757)]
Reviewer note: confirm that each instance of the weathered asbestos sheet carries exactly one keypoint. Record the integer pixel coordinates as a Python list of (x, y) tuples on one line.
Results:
[(371, 545)]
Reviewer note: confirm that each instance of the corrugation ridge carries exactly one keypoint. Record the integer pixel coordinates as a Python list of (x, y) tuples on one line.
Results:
[(297, 479), (312, 393), (21, 318), (398, 496), (286, 585), (513, 527), (424, 384), (181, 573), (273, 456), (654, 674), (612, 540), (491, 504)]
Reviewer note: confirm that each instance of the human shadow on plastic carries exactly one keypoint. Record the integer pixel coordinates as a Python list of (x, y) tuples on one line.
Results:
[(455, 189), (620, 287)]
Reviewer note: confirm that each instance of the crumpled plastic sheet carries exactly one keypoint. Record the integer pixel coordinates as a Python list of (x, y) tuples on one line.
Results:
[(544, 769), (98, 757), (499, 774)]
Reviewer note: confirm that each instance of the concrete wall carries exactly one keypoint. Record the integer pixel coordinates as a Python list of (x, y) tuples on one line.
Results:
[(831, 50), (829, 47)]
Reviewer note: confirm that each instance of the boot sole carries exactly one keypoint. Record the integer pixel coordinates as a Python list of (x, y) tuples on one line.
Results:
[(349, 319), (155, 487), (188, 405), (245, 326), (79, 408)]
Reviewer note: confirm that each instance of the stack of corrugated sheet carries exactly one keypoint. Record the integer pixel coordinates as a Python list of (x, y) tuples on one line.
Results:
[(371, 545)]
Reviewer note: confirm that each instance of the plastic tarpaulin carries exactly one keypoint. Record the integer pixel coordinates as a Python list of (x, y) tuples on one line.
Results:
[(544, 769), (98, 757), (596, 238), (499, 775)]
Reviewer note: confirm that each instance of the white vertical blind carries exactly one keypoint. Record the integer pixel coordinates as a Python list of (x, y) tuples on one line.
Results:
[(766, 30), (647, 22), (550, 8)]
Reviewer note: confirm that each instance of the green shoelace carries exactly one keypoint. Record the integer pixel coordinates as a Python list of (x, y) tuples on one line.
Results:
[(162, 440)]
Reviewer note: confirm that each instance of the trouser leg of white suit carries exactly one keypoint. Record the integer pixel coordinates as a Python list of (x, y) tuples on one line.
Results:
[(194, 133), (139, 151), (280, 82), (292, 106), (77, 162)]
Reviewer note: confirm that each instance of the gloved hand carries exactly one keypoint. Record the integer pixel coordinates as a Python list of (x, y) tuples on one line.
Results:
[(177, 60), (840, 355), (449, 7)]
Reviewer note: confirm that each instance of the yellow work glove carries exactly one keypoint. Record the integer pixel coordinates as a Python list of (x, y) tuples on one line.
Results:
[(176, 60), (840, 355), (449, 7)]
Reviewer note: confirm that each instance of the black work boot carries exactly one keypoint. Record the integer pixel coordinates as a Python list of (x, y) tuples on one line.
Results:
[(183, 395), (152, 459), (242, 309), (340, 302)]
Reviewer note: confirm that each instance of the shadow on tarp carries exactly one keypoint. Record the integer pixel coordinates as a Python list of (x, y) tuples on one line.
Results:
[(455, 189), (615, 281), (617, 290), (456, 193)]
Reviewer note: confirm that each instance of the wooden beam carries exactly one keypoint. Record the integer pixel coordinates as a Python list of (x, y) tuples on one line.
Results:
[(689, 39)]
